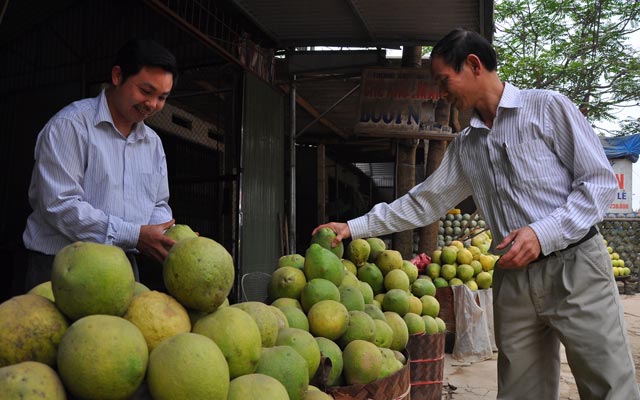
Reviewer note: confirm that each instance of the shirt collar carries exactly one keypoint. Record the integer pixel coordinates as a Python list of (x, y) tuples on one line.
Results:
[(104, 115), (510, 99)]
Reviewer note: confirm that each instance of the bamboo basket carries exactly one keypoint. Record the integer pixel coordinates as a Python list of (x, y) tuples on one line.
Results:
[(426, 353)]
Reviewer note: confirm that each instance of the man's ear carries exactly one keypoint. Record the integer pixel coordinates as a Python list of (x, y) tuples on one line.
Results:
[(474, 63), (116, 75)]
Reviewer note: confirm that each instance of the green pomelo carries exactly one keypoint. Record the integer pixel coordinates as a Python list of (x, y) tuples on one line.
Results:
[(328, 318), (247, 387), (349, 279), (283, 322), (360, 327), (390, 364), (296, 317), (317, 290), (286, 302), (31, 328), (464, 272), (237, 335), (371, 274), (410, 269), (188, 366), (329, 348), (442, 327), (389, 260), (440, 282), (396, 300), (400, 331), (415, 305), (449, 255), (322, 263), (358, 251), (139, 288), (420, 287), (288, 367), (384, 334), (430, 325), (352, 298), (44, 289), (291, 260), (448, 271), (30, 380), (471, 284), (286, 282), (102, 357), (484, 280), (455, 282), (367, 292), (265, 319), (435, 257), (325, 237), (199, 273), (477, 267), (433, 270), (317, 395), (362, 362), (92, 278), (180, 232), (302, 342), (374, 312), (415, 323), (464, 256), (396, 279), (376, 246), (430, 306), (349, 266)]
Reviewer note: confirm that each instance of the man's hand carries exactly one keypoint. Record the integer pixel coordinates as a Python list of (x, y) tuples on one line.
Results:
[(152, 241), (525, 248), (341, 229)]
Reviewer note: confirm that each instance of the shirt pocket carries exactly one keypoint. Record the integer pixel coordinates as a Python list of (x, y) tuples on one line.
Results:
[(148, 184), (532, 164)]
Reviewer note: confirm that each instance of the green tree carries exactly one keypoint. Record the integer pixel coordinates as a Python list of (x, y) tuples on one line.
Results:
[(580, 48)]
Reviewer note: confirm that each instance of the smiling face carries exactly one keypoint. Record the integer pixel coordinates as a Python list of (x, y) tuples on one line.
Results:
[(456, 87), (138, 97)]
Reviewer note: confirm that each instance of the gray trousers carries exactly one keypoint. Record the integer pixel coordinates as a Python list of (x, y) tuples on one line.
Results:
[(571, 298), (39, 267)]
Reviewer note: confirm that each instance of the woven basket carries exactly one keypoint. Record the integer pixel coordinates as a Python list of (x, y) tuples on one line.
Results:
[(444, 295), (426, 353)]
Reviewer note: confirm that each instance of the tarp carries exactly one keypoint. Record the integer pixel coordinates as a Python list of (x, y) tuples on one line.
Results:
[(622, 147)]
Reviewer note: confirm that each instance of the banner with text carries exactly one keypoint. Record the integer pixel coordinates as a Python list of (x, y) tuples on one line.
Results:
[(622, 202)]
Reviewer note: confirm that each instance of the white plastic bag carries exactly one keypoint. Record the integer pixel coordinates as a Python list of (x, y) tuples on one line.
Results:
[(472, 333), (486, 303)]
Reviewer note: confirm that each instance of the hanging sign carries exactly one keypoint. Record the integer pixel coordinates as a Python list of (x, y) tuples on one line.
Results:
[(622, 202)]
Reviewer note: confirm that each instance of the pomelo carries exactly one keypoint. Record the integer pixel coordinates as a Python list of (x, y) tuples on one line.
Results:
[(396, 300), (371, 274), (139, 288), (350, 266), (317, 290), (390, 364), (237, 336), (295, 317), (455, 282), (247, 387), (304, 343), (464, 272), (420, 287), (322, 263), (477, 267), (430, 325), (376, 246), (367, 292), (331, 350), (358, 251), (286, 282), (352, 298), (288, 367), (430, 305), (360, 327), (328, 318), (396, 279), (449, 255), (179, 232), (415, 323), (92, 278), (471, 284), (199, 273), (487, 261), (464, 256), (475, 252), (30, 380), (384, 333), (410, 269), (389, 260), (448, 271), (415, 305), (362, 362), (31, 328), (349, 279), (374, 311), (285, 301), (435, 257), (44, 289), (267, 322), (440, 282), (433, 270), (458, 244), (400, 331), (484, 280), (325, 237), (283, 322), (102, 357), (317, 395), (442, 327), (188, 366), (291, 260), (158, 316)]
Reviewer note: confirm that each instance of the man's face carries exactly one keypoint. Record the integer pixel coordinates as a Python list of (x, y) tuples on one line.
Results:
[(141, 95), (454, 86)]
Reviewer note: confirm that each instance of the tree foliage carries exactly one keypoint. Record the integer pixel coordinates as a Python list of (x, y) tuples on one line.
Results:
[(580, 48)]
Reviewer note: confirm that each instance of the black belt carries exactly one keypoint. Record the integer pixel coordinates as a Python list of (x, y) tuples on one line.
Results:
[(592, 232)]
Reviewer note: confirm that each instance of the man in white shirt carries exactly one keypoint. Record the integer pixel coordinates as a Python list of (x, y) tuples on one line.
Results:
[(539, 175)]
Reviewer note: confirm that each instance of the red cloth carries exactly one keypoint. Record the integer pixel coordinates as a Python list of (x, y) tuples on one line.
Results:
[(421, 261)]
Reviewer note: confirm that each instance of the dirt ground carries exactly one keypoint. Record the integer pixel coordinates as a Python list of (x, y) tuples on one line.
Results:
[(478, 380)]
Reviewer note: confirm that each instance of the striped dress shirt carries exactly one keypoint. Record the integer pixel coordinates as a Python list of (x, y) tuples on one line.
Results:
[(90, 183), (541, 165)]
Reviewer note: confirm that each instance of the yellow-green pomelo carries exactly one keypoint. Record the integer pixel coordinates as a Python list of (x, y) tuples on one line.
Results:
[(322, 263), (179, 232), (449, 255), (433, 270), (283, 322), (317, 290), (199, 273), (358, 251), (92, 278), (325, 237), (102, 357), (371, 274), (458, 244), (349, 265), (376, 246), (420, 287), (464, 256), (285, 302), (484, 280), (265, 319), (384, 333), (415, 305), (251, 386), (44, 289), (487, 261), (471, 284), (435, 257), (440, 282), (414, 322), (139, 288), (374, 311), (390, 364), (389, 260), (475, 252), (477, 267), (328, 318), (295, 317), (286, 282), (396, 279), (430, 305), (448, 271), (329, 348), (379, 297), (396, 300), (188, 366), (237, 335), (367, 292), (410, 269), (400, 331), (349, 279), (30, 380), (352, 298), (304, 343), (317, 395), (455, 282), (158, 316), (464, 272), (430, 325), (360, 327), (288, 367), (362, 362), (291, 260), (31, 328), (442, 327)]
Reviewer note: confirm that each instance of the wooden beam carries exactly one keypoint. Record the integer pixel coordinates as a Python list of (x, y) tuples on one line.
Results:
[(315, 113), (427, 135)]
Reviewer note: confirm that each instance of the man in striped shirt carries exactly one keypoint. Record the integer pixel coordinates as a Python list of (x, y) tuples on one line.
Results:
[(539, 175), (100, 173)]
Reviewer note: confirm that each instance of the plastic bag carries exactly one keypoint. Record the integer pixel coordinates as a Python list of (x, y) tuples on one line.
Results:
[(472, 333), (421, 261), (486, 303)]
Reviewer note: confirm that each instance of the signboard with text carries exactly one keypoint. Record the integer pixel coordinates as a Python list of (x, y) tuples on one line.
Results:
[(622, 202)]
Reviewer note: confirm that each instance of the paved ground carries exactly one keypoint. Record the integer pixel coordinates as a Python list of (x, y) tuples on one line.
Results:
[(478, 380)]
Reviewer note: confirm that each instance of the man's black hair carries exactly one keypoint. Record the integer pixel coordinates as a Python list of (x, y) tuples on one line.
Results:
[(138, 53), (459, 43)]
